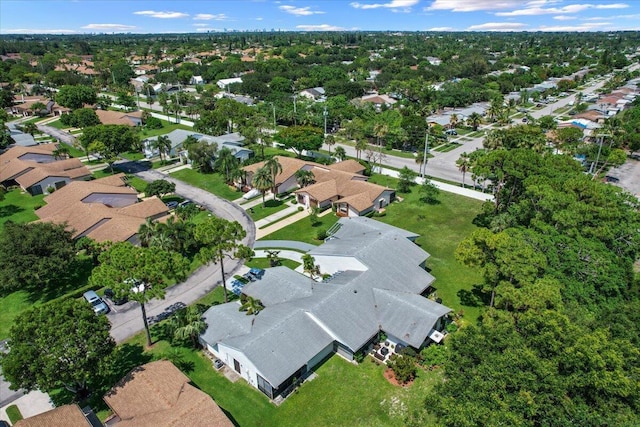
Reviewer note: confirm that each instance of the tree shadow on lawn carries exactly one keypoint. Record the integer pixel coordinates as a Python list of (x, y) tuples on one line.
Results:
[(9, 210), (475, 297), (76, 279)]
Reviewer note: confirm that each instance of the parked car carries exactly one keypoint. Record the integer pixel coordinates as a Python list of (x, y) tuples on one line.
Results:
[(450, 132), (613, 179), (99, 306), (109, 293), (172, 205), (185, 203)]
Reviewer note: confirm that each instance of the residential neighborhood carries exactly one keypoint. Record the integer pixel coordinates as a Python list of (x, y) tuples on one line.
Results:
[(332, 213)]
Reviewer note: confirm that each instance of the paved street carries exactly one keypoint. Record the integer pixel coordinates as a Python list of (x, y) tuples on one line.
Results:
[(126, 320)]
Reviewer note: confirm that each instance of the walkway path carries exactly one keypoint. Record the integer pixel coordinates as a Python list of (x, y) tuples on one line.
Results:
[(288, 244), (275, 216), (261, 232)]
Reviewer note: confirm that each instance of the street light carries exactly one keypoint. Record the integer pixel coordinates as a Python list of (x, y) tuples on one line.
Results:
[(274, 115), (295, 111), (325, 114), (423, 167)]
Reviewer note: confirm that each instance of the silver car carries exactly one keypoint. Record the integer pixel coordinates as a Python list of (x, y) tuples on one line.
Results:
[(99, 306)]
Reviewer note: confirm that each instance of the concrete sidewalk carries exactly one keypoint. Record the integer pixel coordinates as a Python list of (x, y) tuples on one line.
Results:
[(276, 216), (32, 403)]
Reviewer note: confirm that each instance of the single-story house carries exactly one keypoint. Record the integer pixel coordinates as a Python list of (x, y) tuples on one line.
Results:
[(50, 107), (341, 184), (224, 83), (159, 395), (105, 209), (108, 117), (232, 141), (67, 415), (315, 93), (35, 169), (196, 80), (378, 279)]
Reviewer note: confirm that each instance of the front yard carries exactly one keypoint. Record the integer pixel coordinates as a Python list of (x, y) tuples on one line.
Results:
[(211, 182)]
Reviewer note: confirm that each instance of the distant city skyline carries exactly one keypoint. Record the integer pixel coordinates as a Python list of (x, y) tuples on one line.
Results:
[(137, 16)]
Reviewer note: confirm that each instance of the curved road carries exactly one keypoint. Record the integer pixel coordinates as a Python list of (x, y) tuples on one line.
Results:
[(126, 320)]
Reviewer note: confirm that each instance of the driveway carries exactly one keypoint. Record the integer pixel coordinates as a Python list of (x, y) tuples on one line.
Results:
[(126, 320)]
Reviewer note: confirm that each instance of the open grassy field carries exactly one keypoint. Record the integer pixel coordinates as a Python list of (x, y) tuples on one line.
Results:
[(211, 182)]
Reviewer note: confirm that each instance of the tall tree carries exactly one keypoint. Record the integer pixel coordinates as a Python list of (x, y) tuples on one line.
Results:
[(221, 239), (227, 163), (163, 145), (304, 177), (275, 168), (464, 165), (300, 138), (35, 255), (59, 344), (262, 181), (139, 273), (340, 153), (75, 96)]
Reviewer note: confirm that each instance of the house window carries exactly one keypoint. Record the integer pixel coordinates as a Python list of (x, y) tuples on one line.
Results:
[(236, 365), (265, 387)]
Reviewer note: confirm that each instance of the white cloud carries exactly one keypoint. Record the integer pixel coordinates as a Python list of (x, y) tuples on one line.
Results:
[(472, 5), (395, 5), (321, 27), (498, 26), (441, 29), (564, 18), (209, 17), (299, 11), (161, 15), (201, 25), (259, 18), (36, 31), (572, 8), (591, 26), (109, 27)]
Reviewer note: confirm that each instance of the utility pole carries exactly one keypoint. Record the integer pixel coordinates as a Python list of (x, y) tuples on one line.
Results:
[(324, 113), (295, 111), (274, 115), (423, 167)]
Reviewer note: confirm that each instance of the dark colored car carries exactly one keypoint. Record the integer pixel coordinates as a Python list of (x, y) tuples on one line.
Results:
[(185, 203), (172, 205), (613, 179), (112, 296)]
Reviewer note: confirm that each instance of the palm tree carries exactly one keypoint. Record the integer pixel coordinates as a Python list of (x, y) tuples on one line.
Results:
[(340, 153), (464, 165), (496, 106), (380, 130), (474, 120), (227, 162), (304, 177), (262, 181), (274, 167), (61, 152), (453, 121), (162, 241), (251, 305), (330, 140), (163, 145), (187, 323), (361, 145), (310, 267), (273, 258), (146, 232)]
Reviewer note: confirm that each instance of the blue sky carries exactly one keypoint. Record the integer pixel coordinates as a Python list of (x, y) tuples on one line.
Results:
[(137, 16)]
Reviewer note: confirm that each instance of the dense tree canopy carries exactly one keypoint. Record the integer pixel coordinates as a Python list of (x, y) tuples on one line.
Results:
[(300, 138), (60, 344), (34, 255), (75, 96)]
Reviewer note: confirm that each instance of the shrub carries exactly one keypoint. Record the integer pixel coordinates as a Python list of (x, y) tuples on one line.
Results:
[(403, 367), (300, 208), (322, 234), (359, 356), (434, 355), (452, 327), (153, 123)]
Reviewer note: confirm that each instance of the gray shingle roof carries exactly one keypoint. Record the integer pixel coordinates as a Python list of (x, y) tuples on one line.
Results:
[(301, 317)]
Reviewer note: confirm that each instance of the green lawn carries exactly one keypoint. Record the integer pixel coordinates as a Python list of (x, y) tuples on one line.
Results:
[(441, 227), (447, 147), (270, 207), (212, 182), (166, 128), (132, 155), (302, 230), (57, 124), (19, 207), (75, 152), (264, 263)]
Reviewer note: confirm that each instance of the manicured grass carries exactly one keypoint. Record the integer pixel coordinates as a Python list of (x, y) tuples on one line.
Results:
[(14, 414), (166, 128), (270, 207), (132, 155), (303, 231), (19, 207), (264, 263), (441, 227), (57, 124), (75, 152), (213, 183), (447, 147)]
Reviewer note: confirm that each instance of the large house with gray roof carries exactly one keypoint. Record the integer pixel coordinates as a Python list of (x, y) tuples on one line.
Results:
[(377, 283), (232, 141)]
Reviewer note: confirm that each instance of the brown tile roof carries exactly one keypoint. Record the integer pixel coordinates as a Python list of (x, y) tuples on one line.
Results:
[(67, 416), (592, 115), (19, 151), (116, 117), (97, 220), (117, 180), (289, 165), (69, 168), (158, 394), (349, 165)]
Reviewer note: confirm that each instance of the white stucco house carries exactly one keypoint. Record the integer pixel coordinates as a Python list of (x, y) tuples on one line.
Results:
[(377, 284)]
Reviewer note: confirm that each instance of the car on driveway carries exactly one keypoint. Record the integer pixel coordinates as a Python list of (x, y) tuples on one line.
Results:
[(109, 293), (99, 306), (172, 205), (450, 132)]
